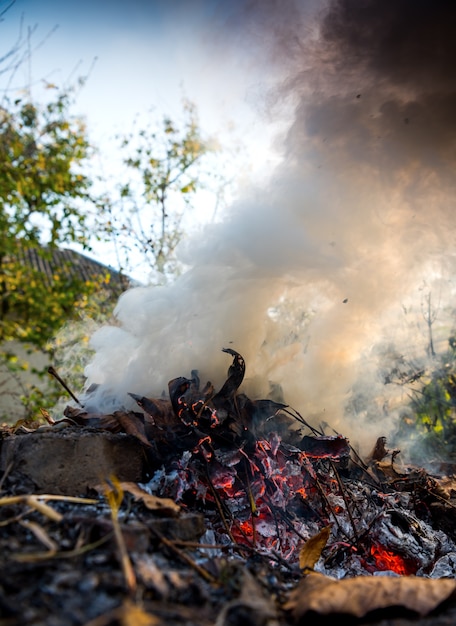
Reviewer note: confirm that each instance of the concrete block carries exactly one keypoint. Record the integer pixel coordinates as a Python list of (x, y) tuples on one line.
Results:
[(71, 461)]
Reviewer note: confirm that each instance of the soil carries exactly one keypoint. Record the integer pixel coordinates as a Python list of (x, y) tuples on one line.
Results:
[(61, 561)]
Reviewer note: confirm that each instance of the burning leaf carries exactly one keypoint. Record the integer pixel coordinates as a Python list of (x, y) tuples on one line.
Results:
[(312, 549), (153, 503), (363, 594), (177, 387)]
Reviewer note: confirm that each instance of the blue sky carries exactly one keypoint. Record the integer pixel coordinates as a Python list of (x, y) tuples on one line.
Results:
[(142, 59), (142, 55)]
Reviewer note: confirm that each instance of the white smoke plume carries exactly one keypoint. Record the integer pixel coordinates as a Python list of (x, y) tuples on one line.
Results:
[(311, 277)]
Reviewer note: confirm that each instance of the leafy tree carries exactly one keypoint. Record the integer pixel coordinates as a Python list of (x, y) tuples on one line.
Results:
[(42, 191), (164, 169)]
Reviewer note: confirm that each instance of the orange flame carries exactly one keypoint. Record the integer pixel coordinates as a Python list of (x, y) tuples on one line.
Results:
[(388, 560)]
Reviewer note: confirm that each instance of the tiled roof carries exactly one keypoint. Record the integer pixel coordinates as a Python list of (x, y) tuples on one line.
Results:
[(77, 265)]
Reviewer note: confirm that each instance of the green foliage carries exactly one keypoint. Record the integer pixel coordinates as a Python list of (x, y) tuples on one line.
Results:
[(41, 185), (42, 189), (433, 431), (163, 170)]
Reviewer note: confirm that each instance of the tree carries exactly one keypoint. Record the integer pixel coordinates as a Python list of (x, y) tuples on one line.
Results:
[(44, 196), (164, 170), (42, 186)]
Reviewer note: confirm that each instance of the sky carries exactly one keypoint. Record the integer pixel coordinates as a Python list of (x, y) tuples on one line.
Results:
[(319, 274), (142, 59), (142, 55)]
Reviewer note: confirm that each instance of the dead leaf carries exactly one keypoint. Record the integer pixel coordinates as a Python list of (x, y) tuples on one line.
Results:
[(312, 549), (127, 614), (151, 575), (379, 451), (134, 615), (252, 607), (159, 409), (153, 503), (133, 424), (363, 594), (323, 447)]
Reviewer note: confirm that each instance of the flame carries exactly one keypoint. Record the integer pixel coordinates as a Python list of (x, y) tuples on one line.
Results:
[(388, 560)]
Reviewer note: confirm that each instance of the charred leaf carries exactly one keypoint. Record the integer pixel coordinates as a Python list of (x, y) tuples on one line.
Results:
[(236, 371), (325, 447)]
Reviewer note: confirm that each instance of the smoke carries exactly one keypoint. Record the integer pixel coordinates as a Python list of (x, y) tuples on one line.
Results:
[(318, 278)]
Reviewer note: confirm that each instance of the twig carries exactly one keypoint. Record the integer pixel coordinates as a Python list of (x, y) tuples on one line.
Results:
[(114, 495), (345, 499), (67, 554), (184, 557), (300, 418), (54, 373), (8, 469), (220, 507), (252, 503), (329, 505)]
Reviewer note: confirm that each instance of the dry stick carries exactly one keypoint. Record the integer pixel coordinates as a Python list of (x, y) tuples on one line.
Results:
[(127, 568), (234, 546), (439, 497), (6, 473), (345, 499), (328, 504), (53, 372), (114, 495), (220, 507), (252, 503), (33, 557), (360, 463), (373, 481), (300, 418), (272, 509), (184, 557)]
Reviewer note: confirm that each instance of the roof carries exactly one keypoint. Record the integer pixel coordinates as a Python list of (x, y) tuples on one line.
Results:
[(77, 265)]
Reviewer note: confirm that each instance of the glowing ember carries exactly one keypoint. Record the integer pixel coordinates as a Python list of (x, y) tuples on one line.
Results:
[(387, 560)]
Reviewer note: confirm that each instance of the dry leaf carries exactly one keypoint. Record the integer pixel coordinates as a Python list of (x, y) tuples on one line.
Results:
[(363, 594), (133, 424), (127, 614), (252, 607), (151, 575), (134, 615), (153, 503), (312, 549)]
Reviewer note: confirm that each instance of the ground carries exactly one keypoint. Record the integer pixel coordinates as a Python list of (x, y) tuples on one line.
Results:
[(77, 550)]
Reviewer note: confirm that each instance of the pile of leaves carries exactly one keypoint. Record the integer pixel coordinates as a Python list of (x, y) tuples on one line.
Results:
[(244, 518)]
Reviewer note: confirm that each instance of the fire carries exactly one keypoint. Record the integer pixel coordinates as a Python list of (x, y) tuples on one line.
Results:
[(388, 560)]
